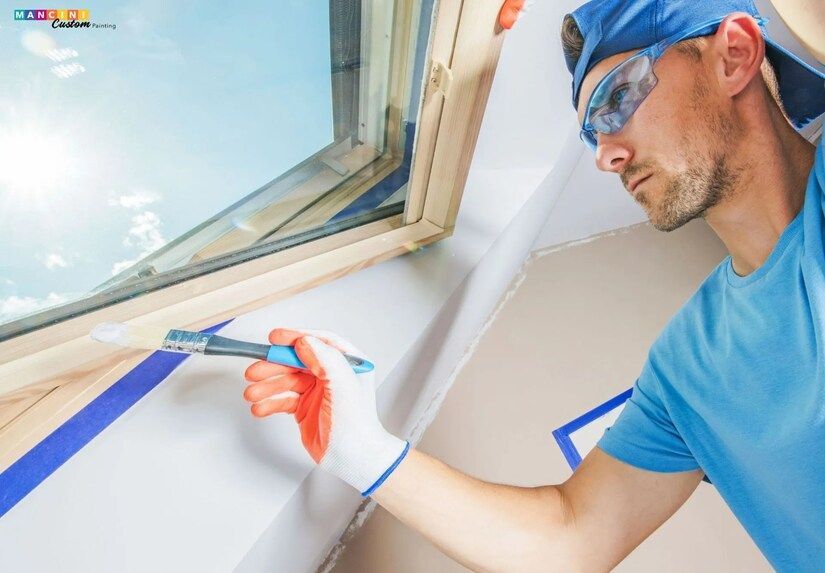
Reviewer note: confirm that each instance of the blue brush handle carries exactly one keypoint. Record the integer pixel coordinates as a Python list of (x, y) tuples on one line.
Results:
[(286, 355)]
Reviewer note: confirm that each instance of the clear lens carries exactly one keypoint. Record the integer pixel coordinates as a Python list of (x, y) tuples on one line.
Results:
[(620, 93)]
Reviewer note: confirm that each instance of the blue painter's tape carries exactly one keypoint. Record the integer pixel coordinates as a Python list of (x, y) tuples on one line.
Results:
[(568, 448), (562, 435), (20, 478), (387, 473)]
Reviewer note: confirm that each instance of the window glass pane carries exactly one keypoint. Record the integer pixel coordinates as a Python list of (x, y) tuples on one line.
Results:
[(189, 137)]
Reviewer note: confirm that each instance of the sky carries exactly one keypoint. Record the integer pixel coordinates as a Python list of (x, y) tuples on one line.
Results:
[(115, 141)]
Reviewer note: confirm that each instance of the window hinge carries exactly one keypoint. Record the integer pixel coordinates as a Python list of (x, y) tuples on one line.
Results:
[(441, 78)]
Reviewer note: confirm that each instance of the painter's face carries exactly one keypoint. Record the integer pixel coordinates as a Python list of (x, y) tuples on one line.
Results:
[(672, 155)]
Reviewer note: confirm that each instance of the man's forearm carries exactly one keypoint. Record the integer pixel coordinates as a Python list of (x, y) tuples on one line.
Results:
[(483, 526)]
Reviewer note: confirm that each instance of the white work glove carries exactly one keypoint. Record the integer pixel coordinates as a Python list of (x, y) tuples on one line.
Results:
[(334, 407)]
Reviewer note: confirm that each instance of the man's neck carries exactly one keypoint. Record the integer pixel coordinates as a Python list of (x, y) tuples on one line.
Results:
[(774, 162)]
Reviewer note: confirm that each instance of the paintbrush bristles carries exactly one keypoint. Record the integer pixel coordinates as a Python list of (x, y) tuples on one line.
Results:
[(129, 335)]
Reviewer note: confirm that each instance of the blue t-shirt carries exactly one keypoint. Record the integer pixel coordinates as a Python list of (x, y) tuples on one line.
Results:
[(735, 386)]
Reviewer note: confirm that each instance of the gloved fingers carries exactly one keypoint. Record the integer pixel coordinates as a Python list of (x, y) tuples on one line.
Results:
[(287, 404), (311, 406), (315, 431), (298, 382), (289, 336), (332, 339), (262, 369), (323, 360)]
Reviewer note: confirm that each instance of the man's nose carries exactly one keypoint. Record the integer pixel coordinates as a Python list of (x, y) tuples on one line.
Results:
[(612, 154)]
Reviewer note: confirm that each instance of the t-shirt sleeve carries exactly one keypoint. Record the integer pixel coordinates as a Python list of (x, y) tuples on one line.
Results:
[(644, 435)]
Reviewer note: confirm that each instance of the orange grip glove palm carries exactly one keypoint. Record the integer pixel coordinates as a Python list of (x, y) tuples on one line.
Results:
[(334, 407)]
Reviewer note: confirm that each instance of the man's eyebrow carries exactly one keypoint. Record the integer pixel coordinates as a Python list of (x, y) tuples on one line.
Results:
[(583, 101)]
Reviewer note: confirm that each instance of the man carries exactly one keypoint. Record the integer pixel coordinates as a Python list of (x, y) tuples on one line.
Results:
[(675, 97)]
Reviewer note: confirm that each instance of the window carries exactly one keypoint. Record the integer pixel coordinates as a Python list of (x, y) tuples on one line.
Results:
[(171, 170), (136, 158)]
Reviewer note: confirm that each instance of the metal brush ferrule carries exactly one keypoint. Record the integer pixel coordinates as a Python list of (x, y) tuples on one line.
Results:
[(185, 341)]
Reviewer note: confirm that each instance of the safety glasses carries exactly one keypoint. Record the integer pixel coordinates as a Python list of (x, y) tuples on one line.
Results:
[(619, 94)]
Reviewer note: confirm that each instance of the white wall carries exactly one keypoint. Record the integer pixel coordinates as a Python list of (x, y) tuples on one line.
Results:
[(529, 111), (592, 202)]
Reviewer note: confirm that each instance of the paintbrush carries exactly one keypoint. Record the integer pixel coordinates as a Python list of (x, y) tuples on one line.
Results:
[(187, 342)]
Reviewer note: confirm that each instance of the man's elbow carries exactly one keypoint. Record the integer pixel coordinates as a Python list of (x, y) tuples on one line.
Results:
[(547, 542)]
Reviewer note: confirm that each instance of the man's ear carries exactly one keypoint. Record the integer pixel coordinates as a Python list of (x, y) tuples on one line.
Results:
[(739, 49)]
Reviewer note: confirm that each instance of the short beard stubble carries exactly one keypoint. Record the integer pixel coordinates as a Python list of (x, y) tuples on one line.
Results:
[(709, 178)]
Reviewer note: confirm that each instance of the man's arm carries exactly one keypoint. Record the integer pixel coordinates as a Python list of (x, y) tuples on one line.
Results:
[(589, 523)]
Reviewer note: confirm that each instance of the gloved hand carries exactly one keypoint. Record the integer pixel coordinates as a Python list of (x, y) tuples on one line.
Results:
[(335, 408)]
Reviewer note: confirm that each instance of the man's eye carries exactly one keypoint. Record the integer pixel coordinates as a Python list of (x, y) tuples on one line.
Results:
[(612, 101), (618, 94)]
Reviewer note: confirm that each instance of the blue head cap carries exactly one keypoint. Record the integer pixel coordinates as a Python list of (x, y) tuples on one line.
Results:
[(613, 26)]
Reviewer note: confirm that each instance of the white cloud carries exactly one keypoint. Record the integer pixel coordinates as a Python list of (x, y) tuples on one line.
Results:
[(121, 266), (134, 200), (60, 54), (45, 46), (54, 260), (12, 307), (9, 282), (144, 234), (65, 71), (144, 36)]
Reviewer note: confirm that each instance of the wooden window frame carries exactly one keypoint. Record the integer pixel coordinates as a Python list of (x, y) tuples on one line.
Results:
[(49, 374)]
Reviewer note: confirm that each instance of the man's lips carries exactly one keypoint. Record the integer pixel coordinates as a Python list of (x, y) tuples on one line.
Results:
[(635, 183)]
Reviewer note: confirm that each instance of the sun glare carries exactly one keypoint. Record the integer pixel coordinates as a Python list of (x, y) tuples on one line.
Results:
[(32, 162)]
